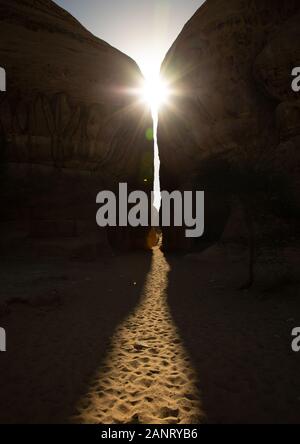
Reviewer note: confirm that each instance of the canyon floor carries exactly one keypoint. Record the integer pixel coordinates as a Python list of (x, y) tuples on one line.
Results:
[(147, 338)]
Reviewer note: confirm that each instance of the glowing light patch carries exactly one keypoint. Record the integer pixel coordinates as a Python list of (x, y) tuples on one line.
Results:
[(150, 134), (155, 92)]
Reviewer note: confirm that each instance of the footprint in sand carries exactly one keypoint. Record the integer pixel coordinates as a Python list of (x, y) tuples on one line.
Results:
[(147, 377)]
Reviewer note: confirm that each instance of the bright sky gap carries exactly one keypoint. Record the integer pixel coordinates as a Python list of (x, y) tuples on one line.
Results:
[(156, 185), (155, 93), (144, 30)]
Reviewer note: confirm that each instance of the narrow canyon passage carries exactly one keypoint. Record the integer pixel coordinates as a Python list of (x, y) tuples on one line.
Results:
[(147, 376), (156, 184)]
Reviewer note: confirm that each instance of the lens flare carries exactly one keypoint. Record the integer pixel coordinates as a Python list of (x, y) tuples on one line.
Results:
[(155, 92)]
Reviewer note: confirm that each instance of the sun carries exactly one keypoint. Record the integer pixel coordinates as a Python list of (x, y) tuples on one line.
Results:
[(155, 91)]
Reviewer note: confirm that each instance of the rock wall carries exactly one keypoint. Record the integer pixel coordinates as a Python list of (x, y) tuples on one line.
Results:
[(69, 123), (232, 124)]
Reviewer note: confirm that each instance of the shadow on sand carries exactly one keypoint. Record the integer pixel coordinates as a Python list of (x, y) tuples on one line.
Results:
[(147, 338), (54, 349), (239, 343)]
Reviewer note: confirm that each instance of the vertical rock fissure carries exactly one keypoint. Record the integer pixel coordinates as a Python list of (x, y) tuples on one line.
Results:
[(156, 184)]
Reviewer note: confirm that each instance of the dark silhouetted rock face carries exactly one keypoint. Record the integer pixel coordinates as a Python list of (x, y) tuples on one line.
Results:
[(69, 126), (233, 105)]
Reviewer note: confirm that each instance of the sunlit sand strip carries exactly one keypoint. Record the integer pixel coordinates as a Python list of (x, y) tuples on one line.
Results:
[(147, 377)]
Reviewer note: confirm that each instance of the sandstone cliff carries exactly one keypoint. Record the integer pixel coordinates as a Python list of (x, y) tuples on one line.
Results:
[(233, 120), (68, 123)]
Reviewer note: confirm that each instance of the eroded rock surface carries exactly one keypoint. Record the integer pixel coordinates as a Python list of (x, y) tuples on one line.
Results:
[(232, 125), (69, 124)]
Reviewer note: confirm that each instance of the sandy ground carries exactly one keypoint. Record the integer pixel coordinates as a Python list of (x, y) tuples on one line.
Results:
[(147, 377), (146, 338)]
